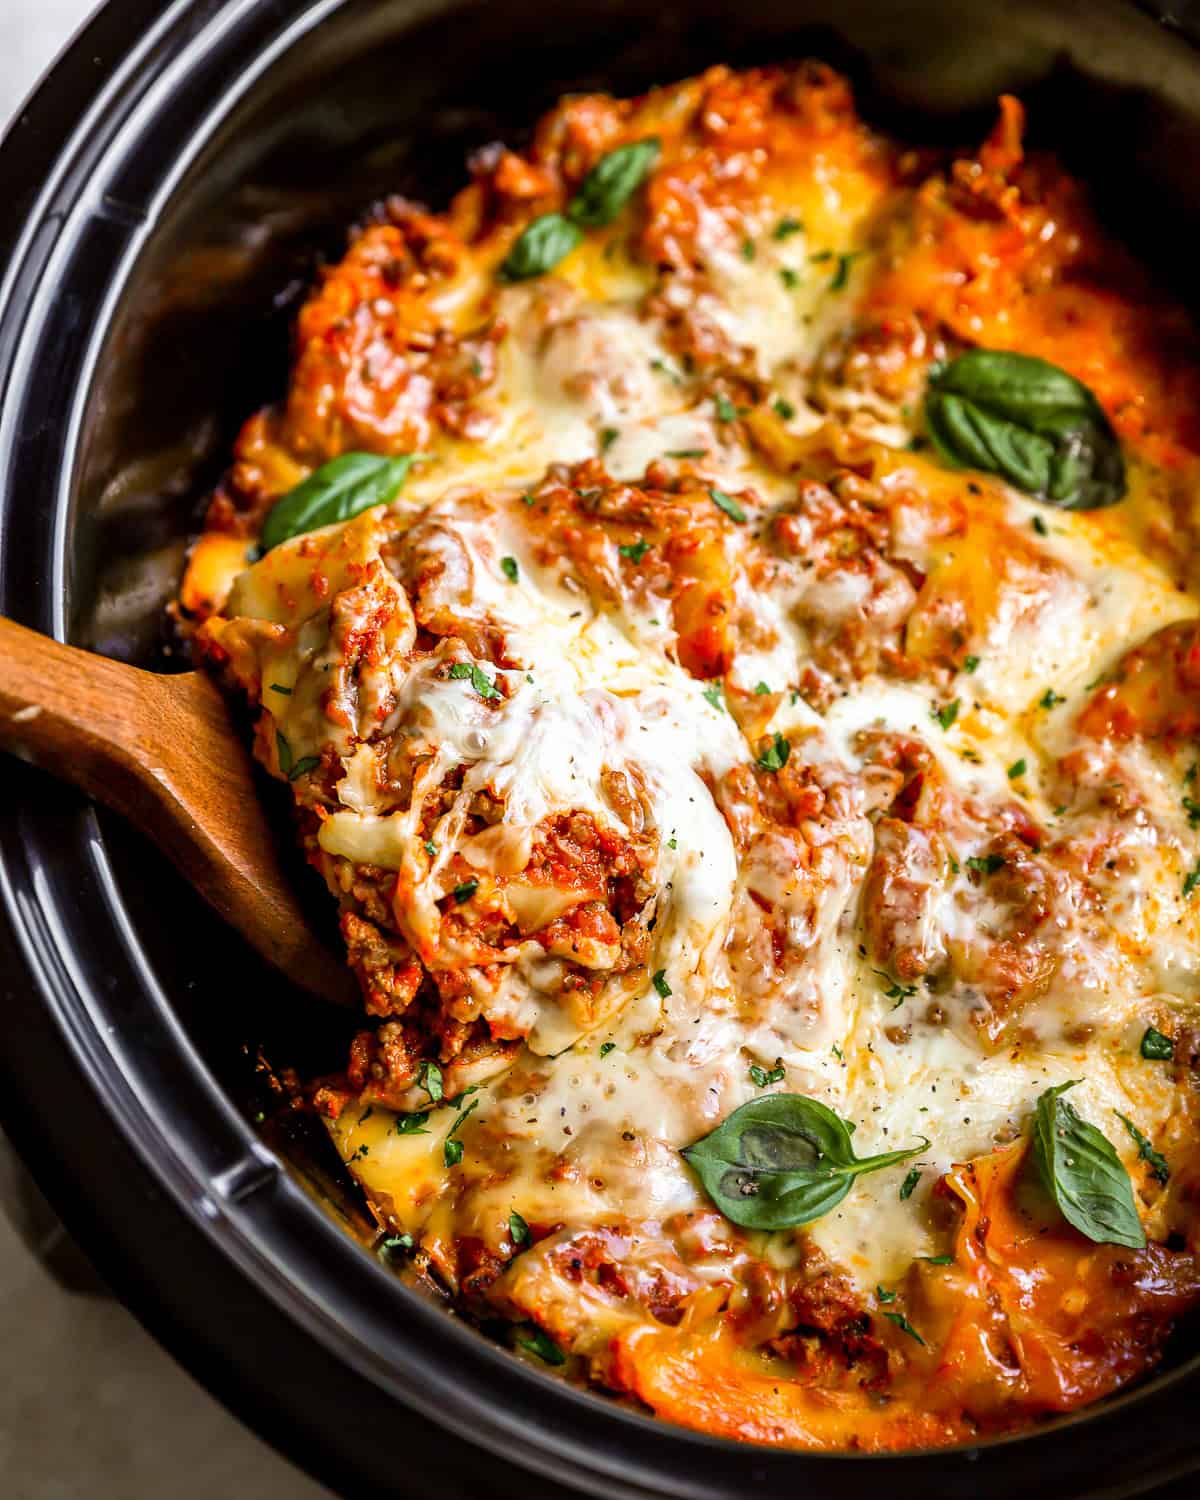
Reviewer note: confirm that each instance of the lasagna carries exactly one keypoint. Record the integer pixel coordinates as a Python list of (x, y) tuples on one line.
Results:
[(722, 597)]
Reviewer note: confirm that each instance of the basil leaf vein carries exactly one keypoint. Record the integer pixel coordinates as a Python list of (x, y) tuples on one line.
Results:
[(1028, 421), (782, 1160), (337, 491)]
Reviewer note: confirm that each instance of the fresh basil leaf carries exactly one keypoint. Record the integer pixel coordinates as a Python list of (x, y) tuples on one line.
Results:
[(1029, 422), (1083, 1174), (337, 491), (611, 183), (782, 1160), (1155, 1160), (540, 247)]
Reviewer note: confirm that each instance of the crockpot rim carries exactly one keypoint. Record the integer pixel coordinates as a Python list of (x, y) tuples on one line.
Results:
[(229, 1211)]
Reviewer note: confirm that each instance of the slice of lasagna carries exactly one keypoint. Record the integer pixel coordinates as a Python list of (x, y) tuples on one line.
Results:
[(723, 604)]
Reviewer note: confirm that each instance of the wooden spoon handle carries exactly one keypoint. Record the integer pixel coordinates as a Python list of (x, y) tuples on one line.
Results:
[(161, 751)]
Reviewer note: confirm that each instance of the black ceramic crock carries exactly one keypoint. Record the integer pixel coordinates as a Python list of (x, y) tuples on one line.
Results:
[(164, 196)]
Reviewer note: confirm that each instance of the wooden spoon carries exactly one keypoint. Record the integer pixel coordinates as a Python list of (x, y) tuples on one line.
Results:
[(161, 751)]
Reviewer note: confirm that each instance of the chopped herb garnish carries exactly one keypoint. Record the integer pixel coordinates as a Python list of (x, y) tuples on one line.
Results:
[(1191, 880), (786, 228), (1040, 526), (660, 983), (278, 687), (729, 505), (366, 1114), (283, 752), (783, 408), (837, 1052), (544, 1347), (970, 663), (452, 1152), (1157, 1163), (775, 756), (671, 843), (946, 714), (937, 1260), (895, 990), (1156, 1046), (842, 275), (821, 255), (726, 411), (909, 1183), (430, 848), (664, 368), (904, 1325), (518, 1230), (508, 566), (608, 436), (686, 452), (748, 251), (478, 678), (1049, 698), (1192, 808), (526, 498), (634, 551), (606, 1048), (303, 766), (395, 1244), (761, 688), (985, 864), (713, 694), (1017, 769), (412, 1123), (762, 1078), (430, 1079), (883, 1294), (790, 278), (465, 890)]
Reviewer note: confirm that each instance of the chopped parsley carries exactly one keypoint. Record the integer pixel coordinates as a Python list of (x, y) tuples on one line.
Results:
[(283, 753), (985, 864), (544, 1347), (634, 551), (842, 275), (508, 566), (470, 671), (1039, 526), (452, 1148), (1157, 1047), (895, 990), (412, 1123), (947, 714), (748, 250), (909, 1183), (883, 1294), (1192, 808), (1049, 698), (660, 983), (1157, 1163), (518, 1230), (303, 766), (671, 843), (783, 408), (430, 848), (761, 688), (790, 278), (775, 756), (713, 694), (663, 368), (606, 1048), (395, 1244), (1191, 880), (762, 1078), (465, 890), (937, 1260), (686, 452), (726, 411), (608, 436), (526, 498), (970, 663), (787, 227), (1017, 769), (278, 687), (430, 1079), (838, 1053), (904, 1325)]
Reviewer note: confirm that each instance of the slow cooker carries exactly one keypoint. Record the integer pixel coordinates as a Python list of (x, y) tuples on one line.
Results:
[(167, 192)]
